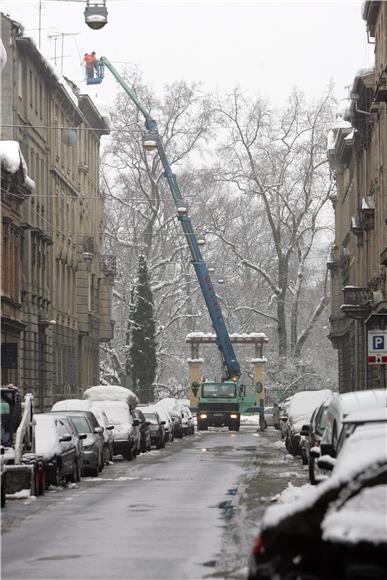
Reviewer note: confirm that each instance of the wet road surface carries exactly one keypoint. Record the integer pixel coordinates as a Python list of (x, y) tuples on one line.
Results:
[(189, 511)]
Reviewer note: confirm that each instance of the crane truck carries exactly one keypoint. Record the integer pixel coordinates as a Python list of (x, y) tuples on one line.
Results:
[(219, 402)]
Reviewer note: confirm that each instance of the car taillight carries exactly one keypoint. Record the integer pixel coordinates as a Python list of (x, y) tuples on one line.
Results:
[(258, 547)]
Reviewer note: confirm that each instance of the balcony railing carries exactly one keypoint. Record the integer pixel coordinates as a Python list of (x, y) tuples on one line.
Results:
[(357, 302)]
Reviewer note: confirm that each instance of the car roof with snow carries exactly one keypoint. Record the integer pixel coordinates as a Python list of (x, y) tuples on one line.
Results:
[(302, 404), (361, 452), (111, 393), (367, 416), (356, 400)]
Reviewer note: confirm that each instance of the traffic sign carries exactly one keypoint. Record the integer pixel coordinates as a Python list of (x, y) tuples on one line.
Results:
[(377, 347)]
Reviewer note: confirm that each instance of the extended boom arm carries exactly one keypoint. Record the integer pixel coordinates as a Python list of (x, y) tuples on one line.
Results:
[(223, 340)]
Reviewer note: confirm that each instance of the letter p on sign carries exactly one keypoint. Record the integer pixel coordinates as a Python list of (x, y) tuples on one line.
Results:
[(378, 342)]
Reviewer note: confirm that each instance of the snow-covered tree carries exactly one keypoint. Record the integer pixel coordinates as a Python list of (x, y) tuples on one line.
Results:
[(142, 349)]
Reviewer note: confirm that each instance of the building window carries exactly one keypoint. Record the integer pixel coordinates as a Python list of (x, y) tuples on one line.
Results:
[(30, 88), (20, 79)]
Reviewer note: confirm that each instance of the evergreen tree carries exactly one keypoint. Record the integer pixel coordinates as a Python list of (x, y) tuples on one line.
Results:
[(143, 336)]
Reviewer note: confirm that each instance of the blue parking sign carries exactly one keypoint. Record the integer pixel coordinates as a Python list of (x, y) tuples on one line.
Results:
[(378, 342)]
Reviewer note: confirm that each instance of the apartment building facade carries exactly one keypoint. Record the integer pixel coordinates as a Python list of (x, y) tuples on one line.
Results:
[(66, 280), (357, 152)]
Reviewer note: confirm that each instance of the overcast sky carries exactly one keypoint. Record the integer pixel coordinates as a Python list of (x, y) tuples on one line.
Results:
[(265, 47)]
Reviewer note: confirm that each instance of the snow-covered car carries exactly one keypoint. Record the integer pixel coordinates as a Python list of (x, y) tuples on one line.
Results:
[(312, 433), (124, 437), (54, 444), (165, 416), (293, 539), (107, 432), (299, 412), (145, 434), (187, 421), (77, 439), (342, 405), (156, 427), (93, 445)]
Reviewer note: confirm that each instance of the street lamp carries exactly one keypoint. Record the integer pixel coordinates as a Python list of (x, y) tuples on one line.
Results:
[(96, 14)]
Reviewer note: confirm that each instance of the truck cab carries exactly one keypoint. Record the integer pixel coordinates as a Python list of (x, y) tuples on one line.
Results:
[(219, 405)]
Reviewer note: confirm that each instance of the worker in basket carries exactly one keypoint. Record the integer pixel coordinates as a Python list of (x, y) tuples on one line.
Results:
[(90, 61)]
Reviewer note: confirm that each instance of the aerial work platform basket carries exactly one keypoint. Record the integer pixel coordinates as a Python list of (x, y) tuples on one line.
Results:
[(97, 75)]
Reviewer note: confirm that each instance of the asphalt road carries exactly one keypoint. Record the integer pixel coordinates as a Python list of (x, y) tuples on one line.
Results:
[(189, 511)]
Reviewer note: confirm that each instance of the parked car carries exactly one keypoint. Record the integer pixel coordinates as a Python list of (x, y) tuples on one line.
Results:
[(312, 434), (107, 432), (145, 434), (55, 445), (187, 421), (177, 423), (168, 426), (156, 427), (77, 440), (93, 444), (125, 438), (343, 404), (294, 539), (300, 410)]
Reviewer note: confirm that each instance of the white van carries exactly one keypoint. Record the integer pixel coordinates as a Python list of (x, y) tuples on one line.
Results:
[(343, 404)]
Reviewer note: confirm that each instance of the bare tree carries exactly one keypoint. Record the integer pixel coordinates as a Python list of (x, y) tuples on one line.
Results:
[(274, 170)]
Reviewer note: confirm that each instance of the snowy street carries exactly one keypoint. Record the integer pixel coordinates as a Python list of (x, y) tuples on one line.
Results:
[(188, 511)]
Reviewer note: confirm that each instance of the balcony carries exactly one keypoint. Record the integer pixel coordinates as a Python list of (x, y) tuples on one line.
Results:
[(357, 302)]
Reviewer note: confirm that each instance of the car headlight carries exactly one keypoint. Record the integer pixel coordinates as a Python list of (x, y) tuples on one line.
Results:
[(89, 446), (203, 415), (233, 416)]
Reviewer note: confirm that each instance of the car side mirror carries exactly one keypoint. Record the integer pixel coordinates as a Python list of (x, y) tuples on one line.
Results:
[(65, 439), (98, 430), (109, 427), (82, 436), (136, 422), (305, 430), (162, 422), (147, 423), (315, 452), (326, 462)]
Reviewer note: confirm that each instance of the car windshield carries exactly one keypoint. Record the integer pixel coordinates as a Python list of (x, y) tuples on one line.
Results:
[(81, 424), (151, 417), (218, 391)]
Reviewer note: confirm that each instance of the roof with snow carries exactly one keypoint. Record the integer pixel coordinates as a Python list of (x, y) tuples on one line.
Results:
[(12, 161)]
